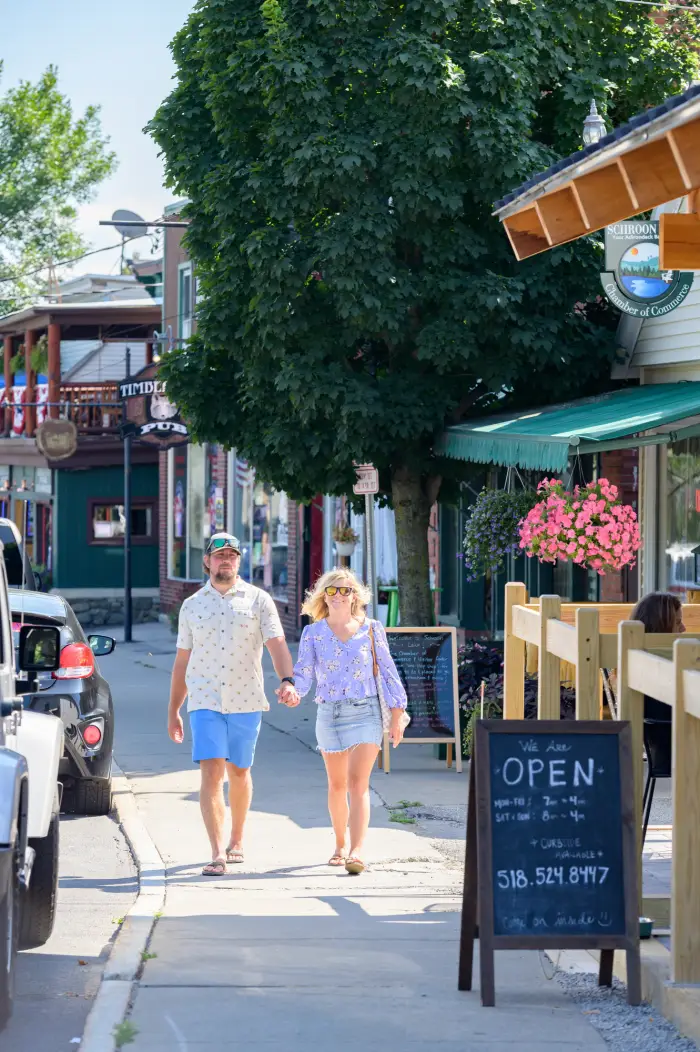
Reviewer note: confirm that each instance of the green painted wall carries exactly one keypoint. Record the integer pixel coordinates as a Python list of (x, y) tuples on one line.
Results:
[(78, 564)]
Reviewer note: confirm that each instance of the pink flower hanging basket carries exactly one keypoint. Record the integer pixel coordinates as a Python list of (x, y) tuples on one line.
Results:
[(591, 527)]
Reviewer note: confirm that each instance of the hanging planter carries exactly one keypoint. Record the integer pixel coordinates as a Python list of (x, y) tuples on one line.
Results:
[(345, 540), (492, 530), (590, 527)]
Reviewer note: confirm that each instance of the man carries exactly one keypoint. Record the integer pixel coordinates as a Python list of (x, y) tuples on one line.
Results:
[(222, 630)]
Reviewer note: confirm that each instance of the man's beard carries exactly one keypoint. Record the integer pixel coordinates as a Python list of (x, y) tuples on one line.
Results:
[(224, 576)]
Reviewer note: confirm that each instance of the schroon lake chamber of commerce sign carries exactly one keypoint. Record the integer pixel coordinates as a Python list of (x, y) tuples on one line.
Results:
[(632, 280)]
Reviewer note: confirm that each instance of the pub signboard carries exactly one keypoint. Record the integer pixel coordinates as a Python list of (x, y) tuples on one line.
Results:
[(150, 416)]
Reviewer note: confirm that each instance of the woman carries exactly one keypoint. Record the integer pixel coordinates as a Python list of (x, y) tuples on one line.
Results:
[(338, 650), (659, 612)]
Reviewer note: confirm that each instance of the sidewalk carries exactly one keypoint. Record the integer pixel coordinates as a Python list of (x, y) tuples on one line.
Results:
[(285, 952)]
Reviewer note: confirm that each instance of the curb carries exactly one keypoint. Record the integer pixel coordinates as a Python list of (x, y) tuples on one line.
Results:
[(121, 970)]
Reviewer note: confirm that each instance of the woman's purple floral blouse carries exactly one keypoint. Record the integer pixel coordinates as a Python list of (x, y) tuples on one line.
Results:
[(344, 670)]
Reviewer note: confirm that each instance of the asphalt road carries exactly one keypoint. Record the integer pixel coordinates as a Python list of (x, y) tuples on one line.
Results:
[(57, 983)]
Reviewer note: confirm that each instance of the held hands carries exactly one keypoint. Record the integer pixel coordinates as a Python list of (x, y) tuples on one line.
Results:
[(287, 695)]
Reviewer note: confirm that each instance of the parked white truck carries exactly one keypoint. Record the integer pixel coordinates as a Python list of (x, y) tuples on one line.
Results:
[(31, 745)]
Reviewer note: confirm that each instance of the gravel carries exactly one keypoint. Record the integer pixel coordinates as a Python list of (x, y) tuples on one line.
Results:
[(624, 1027)]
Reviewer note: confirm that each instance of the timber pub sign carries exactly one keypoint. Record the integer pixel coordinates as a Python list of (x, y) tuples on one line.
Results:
[(632, 280)]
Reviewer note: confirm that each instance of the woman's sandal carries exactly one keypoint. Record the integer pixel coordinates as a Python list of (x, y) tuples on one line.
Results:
[(217, 868), (234, 855), (354, 865), (336, 859)]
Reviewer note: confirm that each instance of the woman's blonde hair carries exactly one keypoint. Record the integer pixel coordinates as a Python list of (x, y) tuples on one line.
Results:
[(315, 603)]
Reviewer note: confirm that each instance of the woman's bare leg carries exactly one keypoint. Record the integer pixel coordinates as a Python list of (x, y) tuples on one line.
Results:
[(362, 760), (337, 771)]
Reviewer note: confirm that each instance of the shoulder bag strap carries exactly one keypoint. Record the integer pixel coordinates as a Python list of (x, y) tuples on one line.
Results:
[(375, 666)]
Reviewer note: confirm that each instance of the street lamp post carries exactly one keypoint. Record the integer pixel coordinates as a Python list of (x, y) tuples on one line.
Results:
[(593, 127)]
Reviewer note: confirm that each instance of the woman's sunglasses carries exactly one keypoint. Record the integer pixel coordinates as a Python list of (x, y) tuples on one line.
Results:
[(331, 590)]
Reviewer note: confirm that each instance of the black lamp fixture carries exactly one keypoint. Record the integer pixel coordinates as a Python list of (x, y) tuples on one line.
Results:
[(593, 127)]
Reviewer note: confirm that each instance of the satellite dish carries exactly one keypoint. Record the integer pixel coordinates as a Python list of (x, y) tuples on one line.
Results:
[(121, 220)]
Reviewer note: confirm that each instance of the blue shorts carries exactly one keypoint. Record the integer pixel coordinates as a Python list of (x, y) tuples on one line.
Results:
[(230, 736)]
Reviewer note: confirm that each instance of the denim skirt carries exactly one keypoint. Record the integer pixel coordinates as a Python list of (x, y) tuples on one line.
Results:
[(341, 725)]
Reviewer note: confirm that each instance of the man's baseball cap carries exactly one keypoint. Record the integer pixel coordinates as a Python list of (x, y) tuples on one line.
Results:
[(222, 540)]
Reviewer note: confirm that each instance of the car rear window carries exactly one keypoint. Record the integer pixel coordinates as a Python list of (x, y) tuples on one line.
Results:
[(13, 558)]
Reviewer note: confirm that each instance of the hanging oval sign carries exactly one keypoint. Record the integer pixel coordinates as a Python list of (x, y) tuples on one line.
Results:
[(57, 439)]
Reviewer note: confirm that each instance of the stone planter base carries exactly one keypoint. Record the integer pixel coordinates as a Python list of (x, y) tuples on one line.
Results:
[(92, 608)]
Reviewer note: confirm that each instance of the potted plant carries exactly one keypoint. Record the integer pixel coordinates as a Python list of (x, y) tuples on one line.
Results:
[(345, 540), (590, 526), (492, 531)]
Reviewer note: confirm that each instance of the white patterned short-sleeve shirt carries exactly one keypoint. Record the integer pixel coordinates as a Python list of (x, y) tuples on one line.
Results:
[(226, 634)]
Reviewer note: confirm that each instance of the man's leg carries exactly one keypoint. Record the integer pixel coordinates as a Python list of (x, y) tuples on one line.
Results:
[(211, 802), (243, 731), (240, 795)]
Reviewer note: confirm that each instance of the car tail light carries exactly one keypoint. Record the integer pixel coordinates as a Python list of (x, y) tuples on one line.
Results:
[(77, 662), (92, 735)]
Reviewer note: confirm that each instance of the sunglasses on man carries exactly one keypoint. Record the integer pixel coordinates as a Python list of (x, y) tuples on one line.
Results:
[(331, 590), (217, 544)]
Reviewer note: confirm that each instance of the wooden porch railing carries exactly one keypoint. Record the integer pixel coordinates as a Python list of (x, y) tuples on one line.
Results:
[(95, 409)]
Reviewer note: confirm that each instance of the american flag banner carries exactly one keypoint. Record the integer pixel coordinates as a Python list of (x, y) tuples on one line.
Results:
[(245, 474)]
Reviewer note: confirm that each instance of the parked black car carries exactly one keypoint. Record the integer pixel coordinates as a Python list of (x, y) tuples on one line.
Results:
[(17, 565), (78, 694)]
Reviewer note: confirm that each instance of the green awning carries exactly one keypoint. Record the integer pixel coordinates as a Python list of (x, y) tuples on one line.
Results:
[(544, 439)]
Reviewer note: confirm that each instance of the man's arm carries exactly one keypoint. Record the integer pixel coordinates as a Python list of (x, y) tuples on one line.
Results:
[(178, 693), (281, 658)]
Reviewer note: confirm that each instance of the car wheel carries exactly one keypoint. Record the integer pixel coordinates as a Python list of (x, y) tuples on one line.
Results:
[(9, 930), (38, 902), (90, 796)]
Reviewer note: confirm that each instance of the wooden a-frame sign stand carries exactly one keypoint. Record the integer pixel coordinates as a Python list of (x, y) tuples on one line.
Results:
[(478, 897)]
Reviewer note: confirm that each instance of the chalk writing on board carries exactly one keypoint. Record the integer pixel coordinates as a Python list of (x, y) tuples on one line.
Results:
[(424, 661), (556, 833)]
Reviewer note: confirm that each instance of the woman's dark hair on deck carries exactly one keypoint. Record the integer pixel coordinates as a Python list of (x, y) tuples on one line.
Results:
[(657, 611)]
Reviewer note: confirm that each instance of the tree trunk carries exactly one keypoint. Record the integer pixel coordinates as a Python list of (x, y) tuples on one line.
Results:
[(413, 497)]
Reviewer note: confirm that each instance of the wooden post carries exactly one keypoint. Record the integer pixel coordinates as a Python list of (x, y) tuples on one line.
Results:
[(685, 898), (587, 664), (54, 338), (513, 657), (549, 666), (630, 704), (7, 358), (29, 410)]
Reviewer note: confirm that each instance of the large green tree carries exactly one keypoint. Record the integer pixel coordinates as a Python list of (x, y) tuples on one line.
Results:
[(50, 161), (341, 160)]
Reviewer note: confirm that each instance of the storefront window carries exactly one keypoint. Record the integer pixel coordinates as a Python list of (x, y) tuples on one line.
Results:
[(261, 524), (197, 509), (683, 515), (108, 523), (178, 504)]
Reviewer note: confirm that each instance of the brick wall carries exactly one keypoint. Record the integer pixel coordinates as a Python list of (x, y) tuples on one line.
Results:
[(621, 467)]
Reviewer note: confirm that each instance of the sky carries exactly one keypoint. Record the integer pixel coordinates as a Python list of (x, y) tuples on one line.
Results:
[(112, 54)]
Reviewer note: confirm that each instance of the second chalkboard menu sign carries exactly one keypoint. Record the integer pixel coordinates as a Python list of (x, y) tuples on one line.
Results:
[(426, 661), (551, 845)]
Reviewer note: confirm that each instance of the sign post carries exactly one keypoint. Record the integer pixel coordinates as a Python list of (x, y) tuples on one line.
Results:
[(148, 416), (368, 484), (128, 438)]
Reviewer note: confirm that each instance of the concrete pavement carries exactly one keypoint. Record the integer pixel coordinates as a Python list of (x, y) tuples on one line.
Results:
[(56, 984), (285, 951)]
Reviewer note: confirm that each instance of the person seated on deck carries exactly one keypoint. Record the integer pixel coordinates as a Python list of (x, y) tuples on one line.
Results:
[(659, 612)]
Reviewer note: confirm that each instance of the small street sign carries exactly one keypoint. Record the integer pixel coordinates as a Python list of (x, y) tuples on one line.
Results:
[(367, 480)]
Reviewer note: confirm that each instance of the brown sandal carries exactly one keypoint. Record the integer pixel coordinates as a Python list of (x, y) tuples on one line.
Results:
[(336, 859), (234, 855), (354, 865), (217, 868)]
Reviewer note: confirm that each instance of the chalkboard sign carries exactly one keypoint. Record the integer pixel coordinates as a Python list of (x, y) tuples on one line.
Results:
[(551, 844), (426, 660)]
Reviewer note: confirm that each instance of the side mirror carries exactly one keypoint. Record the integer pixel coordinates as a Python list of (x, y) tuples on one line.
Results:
[(101, 646), (39, 648)]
